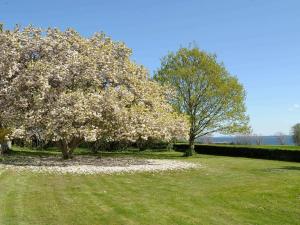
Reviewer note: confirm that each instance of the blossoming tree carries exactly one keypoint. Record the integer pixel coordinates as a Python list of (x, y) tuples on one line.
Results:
[(70, 89)]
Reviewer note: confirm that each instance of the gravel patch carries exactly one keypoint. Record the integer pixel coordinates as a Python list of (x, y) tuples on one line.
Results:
[(92, 165)]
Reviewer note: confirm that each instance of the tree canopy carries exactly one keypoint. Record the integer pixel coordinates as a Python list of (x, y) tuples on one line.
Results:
[(296, 133), (213, 99), (67, 88)]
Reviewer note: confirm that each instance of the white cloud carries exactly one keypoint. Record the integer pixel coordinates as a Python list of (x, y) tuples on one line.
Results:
[(294, 107)]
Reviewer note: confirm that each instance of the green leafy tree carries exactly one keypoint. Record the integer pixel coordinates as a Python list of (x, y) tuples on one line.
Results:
[(205, 91), (296, 133)]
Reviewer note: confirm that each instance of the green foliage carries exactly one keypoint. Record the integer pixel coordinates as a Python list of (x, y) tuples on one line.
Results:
[(205, 91), (104, 145), (153, 144), (288, 153), (117, 146), (296, 134)]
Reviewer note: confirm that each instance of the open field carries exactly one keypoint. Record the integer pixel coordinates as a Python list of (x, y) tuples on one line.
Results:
[(223, 190)]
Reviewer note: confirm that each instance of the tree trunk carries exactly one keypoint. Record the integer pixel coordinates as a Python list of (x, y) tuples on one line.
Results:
[(67, 147), (190, 150), (67, 153), (4, 148), (141, 144), (66, 150)]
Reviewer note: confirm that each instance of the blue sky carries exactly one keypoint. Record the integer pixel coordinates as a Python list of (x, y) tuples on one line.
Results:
[(258, 41)]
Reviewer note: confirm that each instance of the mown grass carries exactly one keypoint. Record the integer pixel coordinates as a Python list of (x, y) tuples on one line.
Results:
[(224, 190)]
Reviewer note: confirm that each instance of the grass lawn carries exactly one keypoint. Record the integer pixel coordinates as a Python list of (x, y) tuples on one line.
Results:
[(224, 191)]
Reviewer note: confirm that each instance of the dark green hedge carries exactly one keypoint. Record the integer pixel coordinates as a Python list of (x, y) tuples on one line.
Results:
[(274, 154), (180, 147), (155, 145)]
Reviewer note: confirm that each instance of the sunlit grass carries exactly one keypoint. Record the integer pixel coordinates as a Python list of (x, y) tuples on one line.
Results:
[(224, 190)]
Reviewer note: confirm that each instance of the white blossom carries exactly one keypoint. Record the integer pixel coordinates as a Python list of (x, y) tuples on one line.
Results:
[(72, 88)]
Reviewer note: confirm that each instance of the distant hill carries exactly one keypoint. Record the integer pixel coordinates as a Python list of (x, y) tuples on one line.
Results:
[(266, 140)]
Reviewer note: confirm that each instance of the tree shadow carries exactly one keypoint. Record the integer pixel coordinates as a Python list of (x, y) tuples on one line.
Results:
[(282, 169), (33, 153), (19, 157), (296, 168), (145, 154)]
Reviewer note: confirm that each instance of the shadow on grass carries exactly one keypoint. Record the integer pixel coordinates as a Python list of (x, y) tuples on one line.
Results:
[(144, 154), (282, 169), (17, 152), (290, 168), (32, 157), (52, 157), (148, 154)]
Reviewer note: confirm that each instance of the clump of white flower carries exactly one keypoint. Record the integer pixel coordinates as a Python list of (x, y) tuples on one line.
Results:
[(70, 88), (101, 166)]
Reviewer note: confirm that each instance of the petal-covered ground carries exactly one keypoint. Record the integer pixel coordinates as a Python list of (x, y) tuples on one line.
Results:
[(92, 164)]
